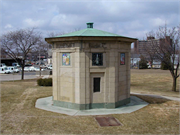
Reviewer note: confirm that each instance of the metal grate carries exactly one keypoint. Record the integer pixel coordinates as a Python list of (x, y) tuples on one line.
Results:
[(107, 121)]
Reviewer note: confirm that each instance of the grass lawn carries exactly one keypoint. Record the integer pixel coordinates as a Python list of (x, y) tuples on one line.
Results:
[(19, 115), (153, 81)]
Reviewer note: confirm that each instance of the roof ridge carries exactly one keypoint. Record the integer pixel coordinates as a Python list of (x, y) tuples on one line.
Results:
[(110, 33), (85, 30)]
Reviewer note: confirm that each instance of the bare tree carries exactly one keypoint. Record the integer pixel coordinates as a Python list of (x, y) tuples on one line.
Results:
[(166, 49), (41, 49), (54, 34), (20, 43), (149, 51)]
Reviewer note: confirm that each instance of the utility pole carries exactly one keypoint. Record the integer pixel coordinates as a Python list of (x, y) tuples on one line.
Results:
[(39, 64)]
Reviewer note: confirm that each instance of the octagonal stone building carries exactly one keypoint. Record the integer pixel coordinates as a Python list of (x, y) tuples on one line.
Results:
[(91, 69)]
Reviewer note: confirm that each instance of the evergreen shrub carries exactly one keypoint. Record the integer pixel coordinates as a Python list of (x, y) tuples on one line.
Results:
[(164, 66), (143, 63), (44, 82)]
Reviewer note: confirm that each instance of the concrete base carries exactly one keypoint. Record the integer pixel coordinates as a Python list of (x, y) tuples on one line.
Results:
[(90, 106), (134, 105)]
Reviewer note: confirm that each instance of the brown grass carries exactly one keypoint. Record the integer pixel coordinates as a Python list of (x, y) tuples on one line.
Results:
[(153, 81), (19, 115)]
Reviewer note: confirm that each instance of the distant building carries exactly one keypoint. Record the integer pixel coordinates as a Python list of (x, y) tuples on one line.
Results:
[(141, 46), (9, 61)]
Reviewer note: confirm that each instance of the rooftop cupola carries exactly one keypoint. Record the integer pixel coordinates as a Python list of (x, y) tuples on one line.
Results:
[(89, 25)]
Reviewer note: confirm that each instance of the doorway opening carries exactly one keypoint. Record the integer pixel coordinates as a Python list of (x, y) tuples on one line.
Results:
[(96, 84)]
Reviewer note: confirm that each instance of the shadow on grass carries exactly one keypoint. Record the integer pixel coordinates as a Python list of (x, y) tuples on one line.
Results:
[(151, 99)]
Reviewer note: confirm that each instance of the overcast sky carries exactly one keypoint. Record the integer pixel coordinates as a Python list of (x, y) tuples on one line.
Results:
[(132, 18)]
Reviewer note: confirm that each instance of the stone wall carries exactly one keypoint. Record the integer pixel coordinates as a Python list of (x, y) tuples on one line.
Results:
[(72, 84)]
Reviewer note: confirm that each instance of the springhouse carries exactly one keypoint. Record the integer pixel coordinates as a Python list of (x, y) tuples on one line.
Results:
[(91, 69)]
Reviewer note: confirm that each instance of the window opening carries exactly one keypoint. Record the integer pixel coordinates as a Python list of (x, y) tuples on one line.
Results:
[(97, 59), (96, 87)]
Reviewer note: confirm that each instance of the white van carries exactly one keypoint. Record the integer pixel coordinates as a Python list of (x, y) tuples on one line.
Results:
[(50, 67), (15, 65), (13, 69), (2, 65), (4, 70), (16, 70)]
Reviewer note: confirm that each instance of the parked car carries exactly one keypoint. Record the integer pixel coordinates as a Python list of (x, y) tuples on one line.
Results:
[(28, 65), (13, 69), (49, 67), (35, 69), (32, 68), (2, 65), (4, 70), (38, 69), (10, 69), (15, 65), (16, 70), (26, 69), (40, 63)]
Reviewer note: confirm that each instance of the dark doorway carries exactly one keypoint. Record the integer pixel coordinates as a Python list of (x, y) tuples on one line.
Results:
[(97, 84)]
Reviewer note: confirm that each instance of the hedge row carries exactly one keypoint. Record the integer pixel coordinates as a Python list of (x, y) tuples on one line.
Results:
[(44, 82)]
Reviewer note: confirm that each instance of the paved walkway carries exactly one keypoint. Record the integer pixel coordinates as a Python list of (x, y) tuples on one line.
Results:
[(158, 96), (11, 77), (134, 105), (45, 76)]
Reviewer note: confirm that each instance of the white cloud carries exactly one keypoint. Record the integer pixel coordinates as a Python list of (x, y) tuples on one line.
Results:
[(58, 20), (125, 17), (134, 25), (8, 26), (67, 22), (157, 22), (33, 23)]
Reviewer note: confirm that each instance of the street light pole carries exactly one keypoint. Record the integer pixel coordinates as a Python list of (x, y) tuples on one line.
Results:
[(39, 64)]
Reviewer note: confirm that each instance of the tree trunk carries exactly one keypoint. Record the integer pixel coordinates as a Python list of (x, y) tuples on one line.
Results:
[(151, 66), (22, 73), (174, 84)]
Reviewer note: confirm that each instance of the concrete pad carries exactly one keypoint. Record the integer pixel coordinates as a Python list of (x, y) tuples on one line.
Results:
[(134, 105), (158, 96)]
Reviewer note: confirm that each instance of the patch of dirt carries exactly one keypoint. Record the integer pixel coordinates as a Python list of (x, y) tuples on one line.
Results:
[(25, 96), (14, 116)]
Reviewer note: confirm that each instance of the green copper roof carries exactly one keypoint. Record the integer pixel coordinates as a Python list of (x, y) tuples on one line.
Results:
[(89, 32)]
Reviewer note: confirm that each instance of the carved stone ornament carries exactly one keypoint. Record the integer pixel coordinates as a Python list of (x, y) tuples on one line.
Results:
[(64, 45), (97, 45)]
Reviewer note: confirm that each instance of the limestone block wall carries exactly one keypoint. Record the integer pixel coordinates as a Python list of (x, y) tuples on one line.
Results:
[(74, 83), (77, 75), (124, 74), (64, 77)]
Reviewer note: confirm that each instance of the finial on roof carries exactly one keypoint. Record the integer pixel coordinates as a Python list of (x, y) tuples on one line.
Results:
[(89, 25)]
